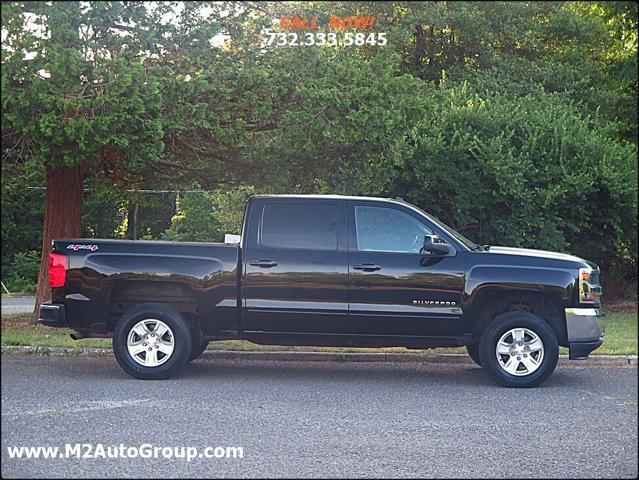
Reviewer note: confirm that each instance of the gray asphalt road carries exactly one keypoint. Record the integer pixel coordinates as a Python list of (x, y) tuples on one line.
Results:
[(17, 304), (321, 419)]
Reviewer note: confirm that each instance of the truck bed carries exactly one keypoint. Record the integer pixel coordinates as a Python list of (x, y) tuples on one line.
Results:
[(105, 277)]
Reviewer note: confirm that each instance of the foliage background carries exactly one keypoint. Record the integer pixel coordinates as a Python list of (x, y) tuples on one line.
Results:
[(514, 122)]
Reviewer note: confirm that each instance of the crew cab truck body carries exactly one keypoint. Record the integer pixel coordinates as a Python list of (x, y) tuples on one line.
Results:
[(332, 271)]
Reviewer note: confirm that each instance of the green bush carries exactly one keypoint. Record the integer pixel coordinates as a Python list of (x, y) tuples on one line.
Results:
[(22, 213), (17, 284), (24, 271)]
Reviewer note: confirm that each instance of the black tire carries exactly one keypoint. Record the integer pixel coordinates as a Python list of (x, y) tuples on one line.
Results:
[(182, 340), (198, 349), (497, 328), (198, 345), (473, 352)]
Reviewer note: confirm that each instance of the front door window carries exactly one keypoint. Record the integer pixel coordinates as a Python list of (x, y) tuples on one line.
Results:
[(380, 229)]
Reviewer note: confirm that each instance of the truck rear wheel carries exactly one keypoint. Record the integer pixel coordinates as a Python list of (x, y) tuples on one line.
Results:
[(152, 342), (198, 349), (519, 349), (473, 352), (198, 344)]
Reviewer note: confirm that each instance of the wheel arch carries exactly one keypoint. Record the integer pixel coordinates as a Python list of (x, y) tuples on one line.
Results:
[(178, 296), (546, 305)]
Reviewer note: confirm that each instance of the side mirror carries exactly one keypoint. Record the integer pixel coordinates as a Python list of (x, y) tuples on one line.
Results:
[(435, 245)]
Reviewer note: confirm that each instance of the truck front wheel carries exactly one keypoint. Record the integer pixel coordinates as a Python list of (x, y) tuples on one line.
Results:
[(519, 349), (152, 342)]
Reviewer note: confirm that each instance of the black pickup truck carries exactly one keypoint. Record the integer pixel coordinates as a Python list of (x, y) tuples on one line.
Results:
[(331, 271)]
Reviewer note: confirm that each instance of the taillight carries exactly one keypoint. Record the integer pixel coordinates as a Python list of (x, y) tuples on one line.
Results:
[(589, 288), (57, 270)]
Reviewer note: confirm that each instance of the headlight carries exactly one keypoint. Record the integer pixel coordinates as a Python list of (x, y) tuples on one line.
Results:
[(589, 288)]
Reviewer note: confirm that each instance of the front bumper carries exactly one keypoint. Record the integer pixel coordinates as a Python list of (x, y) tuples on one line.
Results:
[(585, 328), (53, 315)]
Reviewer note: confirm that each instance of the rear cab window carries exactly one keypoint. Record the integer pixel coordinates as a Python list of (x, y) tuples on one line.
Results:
[(300, 225)]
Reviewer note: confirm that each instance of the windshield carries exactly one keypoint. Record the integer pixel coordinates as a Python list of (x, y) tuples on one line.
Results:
[(450, 231)]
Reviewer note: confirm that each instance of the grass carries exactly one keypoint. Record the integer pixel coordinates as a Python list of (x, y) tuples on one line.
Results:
[(621, 335), (621, 338)]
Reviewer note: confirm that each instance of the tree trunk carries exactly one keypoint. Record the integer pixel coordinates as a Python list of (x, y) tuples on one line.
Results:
[(419, 51), (132, 220), (62, 219), (433, 53)]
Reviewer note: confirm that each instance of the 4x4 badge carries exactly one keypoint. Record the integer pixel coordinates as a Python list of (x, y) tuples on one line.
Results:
[(93, 248)]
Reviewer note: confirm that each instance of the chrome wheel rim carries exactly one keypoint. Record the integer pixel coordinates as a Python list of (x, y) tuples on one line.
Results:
[(150, 342), (520, 352)]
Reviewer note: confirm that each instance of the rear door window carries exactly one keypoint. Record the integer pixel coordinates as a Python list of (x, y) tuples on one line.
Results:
[(299, 225)]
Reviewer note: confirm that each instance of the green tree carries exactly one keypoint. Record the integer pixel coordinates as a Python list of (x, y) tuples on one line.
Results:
[(208, 216), (531, 172), (514, 121), (98, 89), (76, 97)]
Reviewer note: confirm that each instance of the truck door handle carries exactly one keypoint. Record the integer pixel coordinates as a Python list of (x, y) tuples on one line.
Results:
[(367, 267), (263, 263)]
